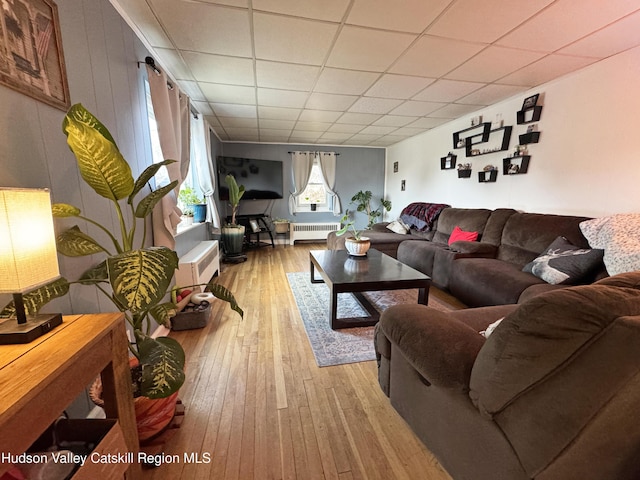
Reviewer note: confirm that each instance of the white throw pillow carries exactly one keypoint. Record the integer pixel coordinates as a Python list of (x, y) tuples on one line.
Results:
[(619, 237), (398, 226), (486, 333)]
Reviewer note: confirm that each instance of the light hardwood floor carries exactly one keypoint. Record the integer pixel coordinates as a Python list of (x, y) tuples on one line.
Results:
[(258, 404)]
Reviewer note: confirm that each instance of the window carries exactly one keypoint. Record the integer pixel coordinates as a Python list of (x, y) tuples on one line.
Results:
[(315, 193), (162, 177)]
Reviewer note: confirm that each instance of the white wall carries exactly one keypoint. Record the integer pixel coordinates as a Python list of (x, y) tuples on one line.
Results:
[(586, 163)]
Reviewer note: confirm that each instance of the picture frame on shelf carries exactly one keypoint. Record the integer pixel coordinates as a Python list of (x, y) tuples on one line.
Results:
[(530, 102)]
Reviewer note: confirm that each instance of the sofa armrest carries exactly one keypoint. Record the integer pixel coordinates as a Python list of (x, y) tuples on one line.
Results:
[(380, 227), (441, 348), (473, 249)]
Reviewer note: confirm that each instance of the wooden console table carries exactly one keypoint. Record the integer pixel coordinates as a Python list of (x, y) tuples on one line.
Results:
[(40, 379)]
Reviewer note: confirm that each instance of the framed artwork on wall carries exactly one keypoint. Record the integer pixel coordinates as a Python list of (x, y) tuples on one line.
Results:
[(31, 58)]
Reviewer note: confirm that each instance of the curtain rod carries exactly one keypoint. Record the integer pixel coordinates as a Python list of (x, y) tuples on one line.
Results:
[(336, 154), (152, 64)]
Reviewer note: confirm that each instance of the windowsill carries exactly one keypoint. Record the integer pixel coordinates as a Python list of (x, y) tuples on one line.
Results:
[(306, 209), (182, 228)]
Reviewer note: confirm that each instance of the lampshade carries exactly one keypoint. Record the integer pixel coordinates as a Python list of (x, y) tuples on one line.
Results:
[(28, 256)]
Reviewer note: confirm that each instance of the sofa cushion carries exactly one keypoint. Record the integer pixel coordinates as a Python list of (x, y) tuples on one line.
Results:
[(458, 235), (398, 226), (564, 263), (468, 219), (422, 216), (618, 236)]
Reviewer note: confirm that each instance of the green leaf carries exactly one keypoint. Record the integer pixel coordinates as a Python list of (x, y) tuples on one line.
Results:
[(74, 243), (80, 114), (62, 210), (140, 278), (221, 292), (94, 275), (145, 207), (162, 361), (163, 312), (100, 162), (147, 175), (36, 299)]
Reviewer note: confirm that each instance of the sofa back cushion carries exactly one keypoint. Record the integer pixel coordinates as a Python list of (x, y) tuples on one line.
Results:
[(526, 235), (468, 219), (555, 362)]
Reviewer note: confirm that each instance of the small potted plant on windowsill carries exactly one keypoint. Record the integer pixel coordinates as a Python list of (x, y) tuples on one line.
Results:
[(191, 201), (187, 216)]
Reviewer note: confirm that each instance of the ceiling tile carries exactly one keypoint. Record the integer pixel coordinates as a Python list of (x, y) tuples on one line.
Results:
[(331, 10), (203, 108), (213, 121), (454, 110), (215, 92), (328, 101), (493, 63), (297, 77), (278, 113), (358, 118), (550, 67), (335, 137), (206, 28), (615, 38), (377, 130), (394, 121), (447, 90), (304, 136), (374, 105), (275, 132), (364, 139), (145, 22), (433, 57), (292, 40), (355, 45), (405, 132), (345, 128), (233, 3), (428, 122), (242, 131), (492, 94), (566, 21), (312, 126), (281, 98), (172, 63), (351, 82), (319, 116), (279, 124), (414, 108), (220, 69), (400, 15), (462, 19), (231, 110), (398, 86), (234, 122), (192, 89)]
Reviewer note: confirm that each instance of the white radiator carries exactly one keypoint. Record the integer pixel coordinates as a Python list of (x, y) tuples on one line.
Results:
[(311, 231), (199, 264)]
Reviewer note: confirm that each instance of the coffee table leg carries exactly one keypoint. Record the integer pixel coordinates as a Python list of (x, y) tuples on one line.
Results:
[(333, 309), (423, 296)]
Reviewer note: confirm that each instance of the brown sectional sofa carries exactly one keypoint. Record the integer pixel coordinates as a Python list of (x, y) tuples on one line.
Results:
[(552, 394), (488, 271)]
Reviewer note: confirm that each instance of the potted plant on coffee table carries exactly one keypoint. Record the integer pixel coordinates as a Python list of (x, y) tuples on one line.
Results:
[(232, 234), (356, 245), (135, 278)]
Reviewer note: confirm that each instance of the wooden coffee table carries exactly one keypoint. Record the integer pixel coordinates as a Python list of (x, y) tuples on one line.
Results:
[(373, 272)]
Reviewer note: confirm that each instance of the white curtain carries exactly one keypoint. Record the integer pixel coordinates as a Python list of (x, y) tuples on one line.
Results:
[(328, 168), (301, 164), (171, 109), (201, 158)]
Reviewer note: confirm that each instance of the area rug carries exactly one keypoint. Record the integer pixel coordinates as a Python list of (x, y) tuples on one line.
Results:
[(347, 345)]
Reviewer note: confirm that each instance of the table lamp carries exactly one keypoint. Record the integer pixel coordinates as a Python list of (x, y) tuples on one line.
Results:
[(28, 259)]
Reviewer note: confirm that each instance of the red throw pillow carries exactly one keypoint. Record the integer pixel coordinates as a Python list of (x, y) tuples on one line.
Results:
[(459, 234)]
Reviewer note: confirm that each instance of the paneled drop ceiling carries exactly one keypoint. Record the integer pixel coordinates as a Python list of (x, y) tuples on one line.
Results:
[(368, 72)]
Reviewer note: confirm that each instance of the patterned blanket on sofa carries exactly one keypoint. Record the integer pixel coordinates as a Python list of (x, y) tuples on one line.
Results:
[(422, 216)]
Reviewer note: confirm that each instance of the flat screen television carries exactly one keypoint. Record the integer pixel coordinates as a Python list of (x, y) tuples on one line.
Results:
[(262, 179)]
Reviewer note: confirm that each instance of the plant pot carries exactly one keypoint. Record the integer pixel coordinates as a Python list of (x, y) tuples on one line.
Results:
[(152, 415), (357, 248), (232, 237), (281, 227), (313, 207), (199, 212), (186, 220)]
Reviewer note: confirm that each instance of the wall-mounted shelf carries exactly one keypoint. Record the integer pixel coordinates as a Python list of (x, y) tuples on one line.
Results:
[(464, 173), (480, 132), (520, 161), (528, 115), (529, 137), (448, 162), (501, 145), (487, 176)]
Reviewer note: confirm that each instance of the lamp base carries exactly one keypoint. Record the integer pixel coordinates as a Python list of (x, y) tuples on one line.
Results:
[(12, 332)]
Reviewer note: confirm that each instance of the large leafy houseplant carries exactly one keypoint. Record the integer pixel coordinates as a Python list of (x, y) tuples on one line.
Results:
[(362, 200), (137, 279), (232, 234)]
